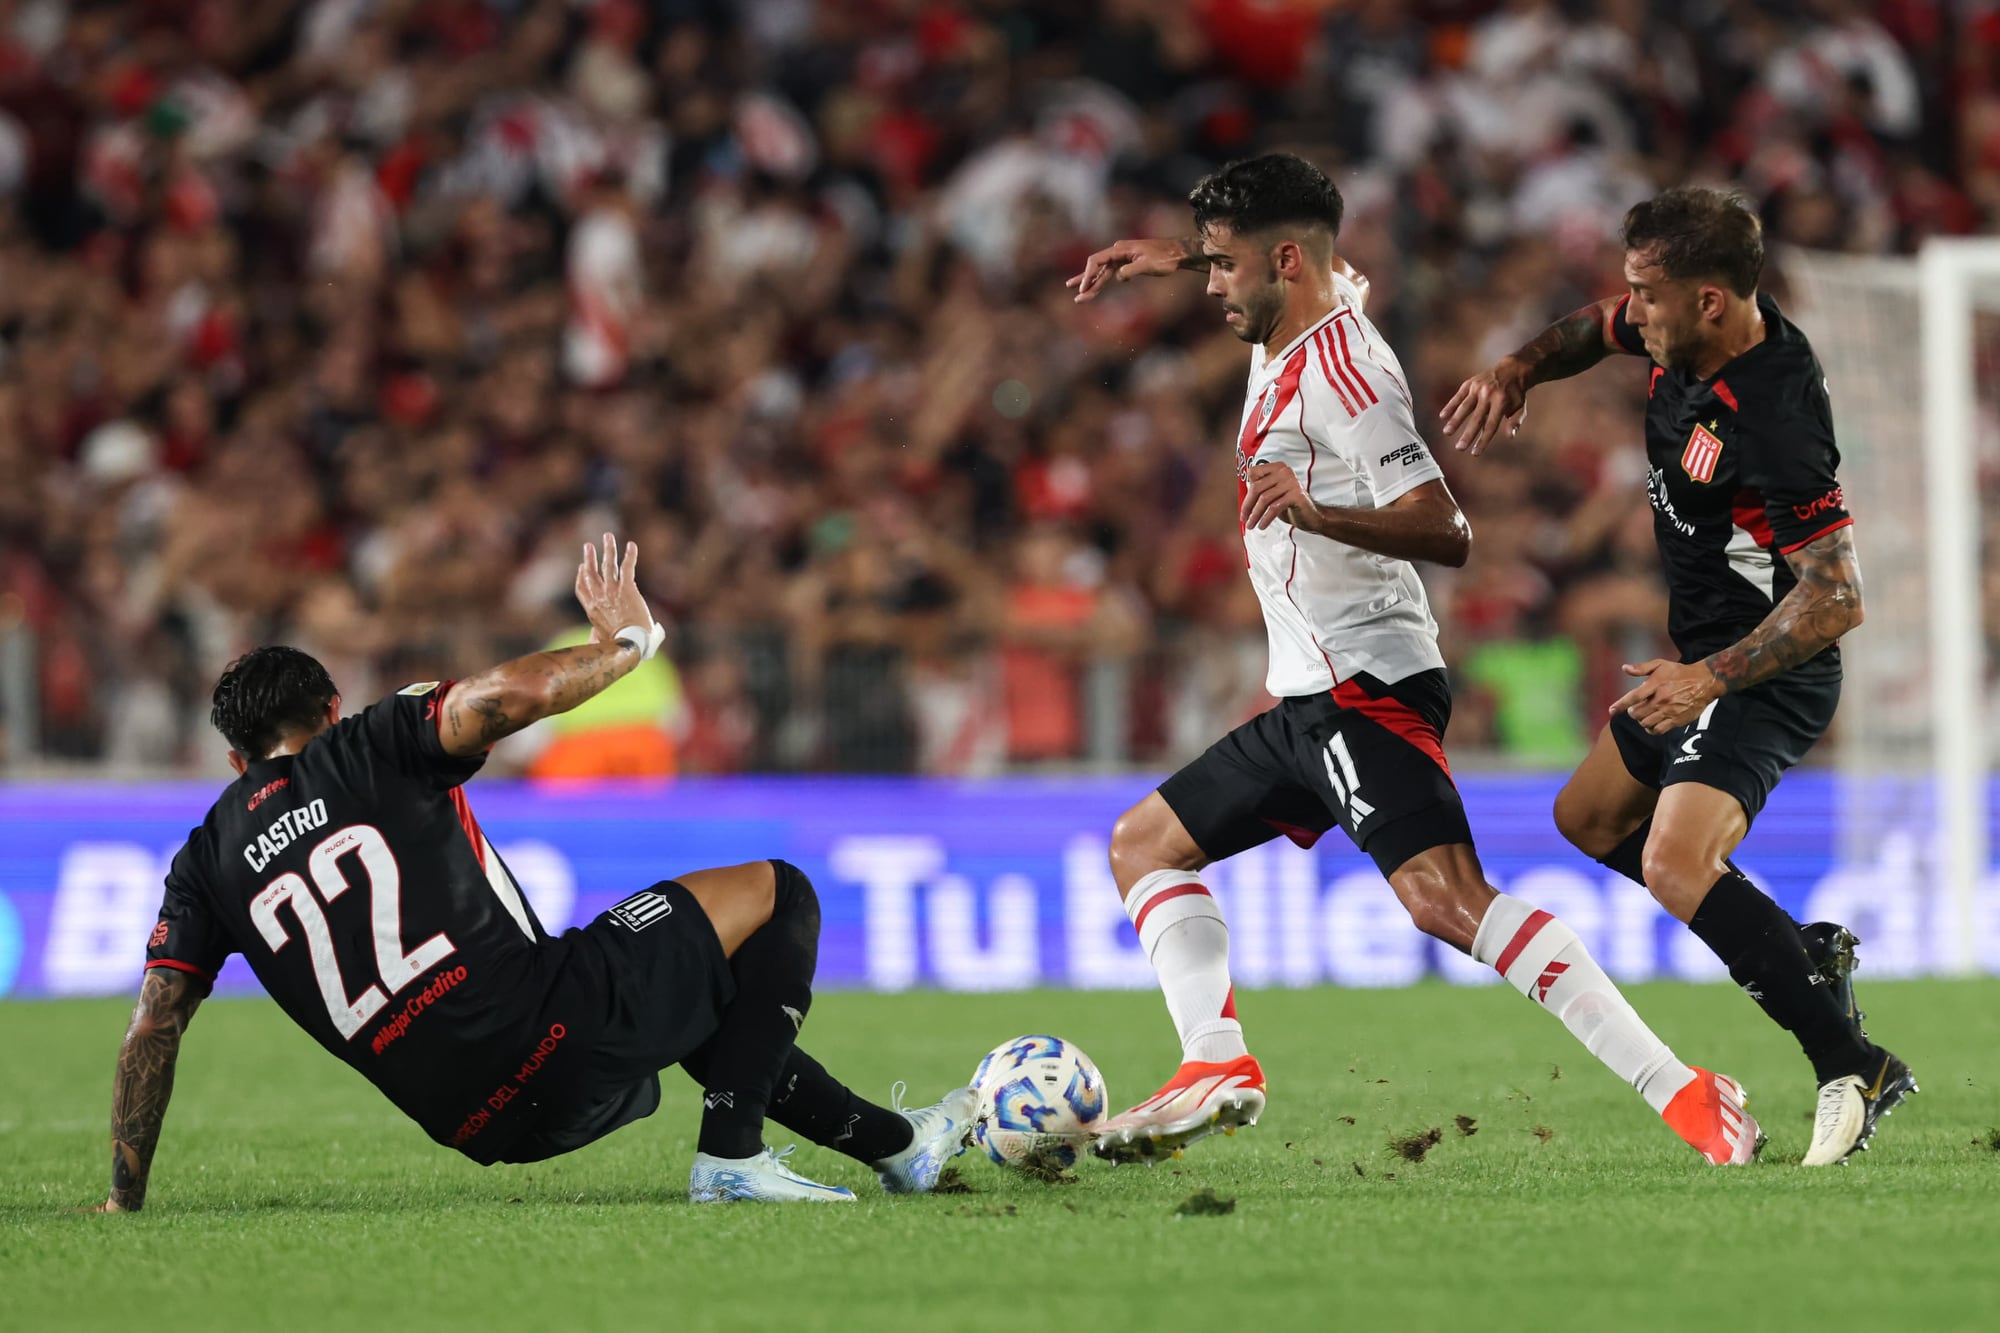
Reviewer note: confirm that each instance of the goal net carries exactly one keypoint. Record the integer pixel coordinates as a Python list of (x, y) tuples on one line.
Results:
[(1911, 348)]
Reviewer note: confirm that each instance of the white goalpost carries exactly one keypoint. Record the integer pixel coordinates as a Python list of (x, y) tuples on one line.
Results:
[(1903, 342)]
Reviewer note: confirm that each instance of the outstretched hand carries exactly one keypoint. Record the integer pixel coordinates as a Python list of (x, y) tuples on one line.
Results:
[(610, 592), (1124, 260), (1483, 404)]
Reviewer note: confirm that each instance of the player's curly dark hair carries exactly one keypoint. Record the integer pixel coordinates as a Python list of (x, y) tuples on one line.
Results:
[(266, 693), (1696, 232), (1256, 193)]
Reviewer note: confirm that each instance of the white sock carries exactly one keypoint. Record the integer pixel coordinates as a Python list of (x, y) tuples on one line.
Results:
[(1546, 962), (1188, 942)]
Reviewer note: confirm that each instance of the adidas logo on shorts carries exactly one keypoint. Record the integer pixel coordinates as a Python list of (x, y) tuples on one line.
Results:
[(642, 909)]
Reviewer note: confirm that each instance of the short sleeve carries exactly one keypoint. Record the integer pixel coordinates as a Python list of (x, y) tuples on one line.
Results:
[(1358, 406), (402, 730), (1790, 459), (188, 937), (1622, 331)]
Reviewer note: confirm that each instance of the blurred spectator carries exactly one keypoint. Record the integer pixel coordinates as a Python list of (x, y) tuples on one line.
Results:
[(346, 322)]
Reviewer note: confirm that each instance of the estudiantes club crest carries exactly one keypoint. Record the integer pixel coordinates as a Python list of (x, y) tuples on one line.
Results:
[(1699, 458)]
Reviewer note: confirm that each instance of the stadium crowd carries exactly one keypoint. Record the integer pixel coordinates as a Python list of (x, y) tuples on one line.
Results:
[(346, 322)]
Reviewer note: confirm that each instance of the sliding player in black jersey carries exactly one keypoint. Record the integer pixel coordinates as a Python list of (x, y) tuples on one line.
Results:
[(1762, 582), (346, 865)]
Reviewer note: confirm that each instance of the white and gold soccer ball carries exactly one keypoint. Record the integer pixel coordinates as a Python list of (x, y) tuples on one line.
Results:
[(1039, 1099)]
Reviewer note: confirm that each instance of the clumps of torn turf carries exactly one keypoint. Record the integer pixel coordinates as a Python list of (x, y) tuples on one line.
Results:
[(1412, 1147), (1466, 1125), (1205, 1203), (1992, 1139), (949, 1181), (1043, 1165), (1543, 1132), (1555, 1072), (1345, 1119)]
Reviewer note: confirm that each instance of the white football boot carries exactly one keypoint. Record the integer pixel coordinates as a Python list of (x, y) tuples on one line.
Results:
[(938, 1134), (1849, 1109), (761, 1179), (1199, 1100)]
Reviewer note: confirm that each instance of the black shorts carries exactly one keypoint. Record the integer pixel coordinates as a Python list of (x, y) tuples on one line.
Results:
[(1741, 744), (1365, 755), (642, 986)]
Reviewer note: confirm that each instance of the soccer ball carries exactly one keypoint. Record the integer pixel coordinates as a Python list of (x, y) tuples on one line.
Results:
[(1039, 1098)]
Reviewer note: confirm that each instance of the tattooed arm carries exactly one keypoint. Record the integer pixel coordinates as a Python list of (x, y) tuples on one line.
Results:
[(145, 1080), (1825, 604), (502, 700), (1822, 606), (1570, 346)]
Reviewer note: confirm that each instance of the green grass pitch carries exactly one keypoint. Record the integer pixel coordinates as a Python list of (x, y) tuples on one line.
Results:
[(288, 1195)]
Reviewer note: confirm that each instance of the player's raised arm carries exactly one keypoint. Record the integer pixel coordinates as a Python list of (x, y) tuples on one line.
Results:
[(1156, 257), (1499, 397), (502, 700), (145, 1080), (1137, 258)]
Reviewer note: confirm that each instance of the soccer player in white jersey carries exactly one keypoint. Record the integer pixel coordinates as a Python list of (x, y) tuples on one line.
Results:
[(1338, 494)]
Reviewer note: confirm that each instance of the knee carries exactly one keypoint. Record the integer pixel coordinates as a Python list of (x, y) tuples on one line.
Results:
[(1140, 844), (1586, 824), (1677, 877), (793, 896)]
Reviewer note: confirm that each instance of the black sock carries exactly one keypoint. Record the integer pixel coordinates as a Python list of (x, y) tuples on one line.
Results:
[(1761, 945), (821, 1109), (774, 972), (813, 1103), (1628, 858)]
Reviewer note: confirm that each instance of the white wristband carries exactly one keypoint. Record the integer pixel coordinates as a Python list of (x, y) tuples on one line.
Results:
[(646, 638)]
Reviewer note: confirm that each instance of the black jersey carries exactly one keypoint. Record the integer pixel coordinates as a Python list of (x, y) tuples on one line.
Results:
[(1741, 473), (355, 880)]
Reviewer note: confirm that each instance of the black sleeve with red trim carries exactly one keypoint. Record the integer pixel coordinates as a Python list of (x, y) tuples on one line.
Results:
[(403, 731), (1789, 458), (188, 937), (1623, 333)]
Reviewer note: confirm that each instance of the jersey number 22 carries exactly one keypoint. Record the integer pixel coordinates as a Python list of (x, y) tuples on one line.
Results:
[(394, 968)]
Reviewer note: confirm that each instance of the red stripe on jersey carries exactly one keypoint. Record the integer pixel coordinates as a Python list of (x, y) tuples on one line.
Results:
[(1529, 929), (1383, 366), (1349, 389), (1279, 396), (1746, 511), (1166, 896), (469, 824), (1397, 716), (177, 966), (1831, 527), (1347, 356), (1722, 391), (1289, 576), (1326, 367)]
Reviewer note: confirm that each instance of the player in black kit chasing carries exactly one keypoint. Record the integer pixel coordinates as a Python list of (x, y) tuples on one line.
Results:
[(345, 864), (1762, 581)]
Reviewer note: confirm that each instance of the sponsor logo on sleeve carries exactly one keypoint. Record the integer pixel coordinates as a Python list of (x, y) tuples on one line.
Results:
[(1832, 500), (425, 688), (1407, 455), (159, 936)]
